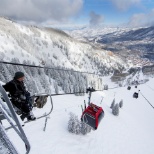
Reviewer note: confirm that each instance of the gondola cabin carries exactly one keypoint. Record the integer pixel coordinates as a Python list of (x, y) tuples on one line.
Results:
[(129, 88), (92, 115), (135, 95)]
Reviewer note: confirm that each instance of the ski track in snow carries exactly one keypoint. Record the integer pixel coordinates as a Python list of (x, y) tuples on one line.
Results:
[(130, 132)]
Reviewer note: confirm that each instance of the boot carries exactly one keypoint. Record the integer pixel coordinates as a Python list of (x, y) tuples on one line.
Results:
[(23, 116), (31, 117)]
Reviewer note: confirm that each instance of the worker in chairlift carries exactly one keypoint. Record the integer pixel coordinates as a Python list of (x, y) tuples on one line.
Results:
[(20, 97)]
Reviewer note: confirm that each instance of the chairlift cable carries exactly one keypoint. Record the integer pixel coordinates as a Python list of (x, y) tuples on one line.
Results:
[(149, 87), (147, 100), (46, 67)]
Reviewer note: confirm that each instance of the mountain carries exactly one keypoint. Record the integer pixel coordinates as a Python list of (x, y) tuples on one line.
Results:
[(135, 45), (54, 48)]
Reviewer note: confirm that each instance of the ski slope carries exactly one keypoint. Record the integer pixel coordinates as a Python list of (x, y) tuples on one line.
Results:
[(132, 132)]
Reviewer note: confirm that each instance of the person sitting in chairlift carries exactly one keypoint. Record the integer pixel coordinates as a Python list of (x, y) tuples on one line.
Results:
[(20, 97)]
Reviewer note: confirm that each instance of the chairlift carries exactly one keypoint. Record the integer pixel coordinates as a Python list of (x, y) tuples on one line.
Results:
[(129, 88), (6, 115), (135, 95), (38, 100), (93, 114), (106, 87)]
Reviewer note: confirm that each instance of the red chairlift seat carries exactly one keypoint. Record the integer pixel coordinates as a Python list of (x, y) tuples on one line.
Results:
[(92, 115)]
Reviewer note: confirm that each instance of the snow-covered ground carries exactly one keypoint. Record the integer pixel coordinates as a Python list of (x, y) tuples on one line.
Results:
[(129, 133)]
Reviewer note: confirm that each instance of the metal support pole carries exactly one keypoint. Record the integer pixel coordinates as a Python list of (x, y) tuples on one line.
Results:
[(14, 117)]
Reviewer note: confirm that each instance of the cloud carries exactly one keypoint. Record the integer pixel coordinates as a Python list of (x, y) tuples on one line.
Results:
[(95, 19), (125, 4), (142, 20), (40, 10)]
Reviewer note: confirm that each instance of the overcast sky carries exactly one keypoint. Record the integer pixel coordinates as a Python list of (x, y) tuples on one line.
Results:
[(132, 13)]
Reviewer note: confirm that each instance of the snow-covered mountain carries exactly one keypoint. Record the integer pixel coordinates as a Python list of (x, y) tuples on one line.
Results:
[(89, 33), (51, 47), (135, 45), (130, 132)]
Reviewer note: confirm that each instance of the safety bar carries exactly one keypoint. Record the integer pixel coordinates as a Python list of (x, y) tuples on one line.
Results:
[(44, 94)]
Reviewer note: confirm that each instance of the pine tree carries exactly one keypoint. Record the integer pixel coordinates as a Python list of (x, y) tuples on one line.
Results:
[(77, 127), (113, 103), (84, 128), (74, 124), (56, 88), (2, 78), (6, 73), (115, 110), (121, 104)]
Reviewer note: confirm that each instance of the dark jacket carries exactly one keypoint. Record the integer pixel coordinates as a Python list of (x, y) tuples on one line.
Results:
[(19, 96), (16, 88)]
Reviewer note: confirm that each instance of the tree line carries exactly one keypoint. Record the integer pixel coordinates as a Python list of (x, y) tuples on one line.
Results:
[(40, 80)]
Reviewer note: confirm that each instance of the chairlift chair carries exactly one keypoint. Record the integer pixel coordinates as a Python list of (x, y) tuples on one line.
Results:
[(129, 88), (135, 95), (38, 100), (93, 114)]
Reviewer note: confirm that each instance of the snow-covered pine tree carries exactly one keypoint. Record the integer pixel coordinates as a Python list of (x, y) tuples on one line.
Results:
[(26, 68), (15, 67), (121, 104), (77, 127), (11, 70), (66, 86), (74, 124), (76, 90), (56, 88), (115, 110), (44, 80), (2, 78), (6, 73), (84, 128), (113, 103)]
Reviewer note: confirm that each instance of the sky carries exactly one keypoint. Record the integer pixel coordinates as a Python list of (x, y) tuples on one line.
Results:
[(132, 13)]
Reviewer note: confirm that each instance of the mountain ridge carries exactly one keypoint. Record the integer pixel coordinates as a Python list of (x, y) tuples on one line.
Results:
[(135, 45)]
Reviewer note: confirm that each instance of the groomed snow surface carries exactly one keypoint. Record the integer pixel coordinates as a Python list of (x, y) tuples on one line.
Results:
[(132, 132)]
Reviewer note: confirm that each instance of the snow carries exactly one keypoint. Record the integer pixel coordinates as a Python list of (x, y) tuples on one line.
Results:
[(95, 32), (51, 47), (130, 132)]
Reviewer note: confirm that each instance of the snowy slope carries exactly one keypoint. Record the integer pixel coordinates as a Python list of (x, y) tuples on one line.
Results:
[(130, 132), (51, 47)]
